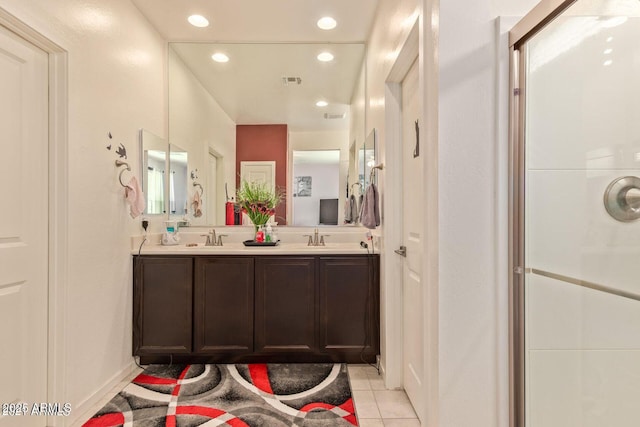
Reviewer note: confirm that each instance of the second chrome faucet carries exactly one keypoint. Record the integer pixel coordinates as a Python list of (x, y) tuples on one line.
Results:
[(313, 239)]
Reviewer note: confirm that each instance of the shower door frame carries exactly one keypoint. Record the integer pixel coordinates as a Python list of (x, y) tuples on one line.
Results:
[(527, 27)]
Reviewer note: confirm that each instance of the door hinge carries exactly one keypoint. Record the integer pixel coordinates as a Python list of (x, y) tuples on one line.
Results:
[(516, 91)]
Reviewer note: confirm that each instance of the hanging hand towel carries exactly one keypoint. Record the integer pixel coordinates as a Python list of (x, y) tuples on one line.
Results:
[(370, 213), (347, 211), (196, 202), (353, 207), (134, 196)]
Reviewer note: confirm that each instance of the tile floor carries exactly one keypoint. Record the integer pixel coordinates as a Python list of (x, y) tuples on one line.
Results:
[(375, 405)]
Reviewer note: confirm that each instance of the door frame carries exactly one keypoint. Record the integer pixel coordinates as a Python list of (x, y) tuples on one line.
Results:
[(58, 204), (527, 27), (421, 43)]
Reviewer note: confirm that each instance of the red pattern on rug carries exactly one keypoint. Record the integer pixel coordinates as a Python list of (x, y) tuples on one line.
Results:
[(260, 377), (165, 382)]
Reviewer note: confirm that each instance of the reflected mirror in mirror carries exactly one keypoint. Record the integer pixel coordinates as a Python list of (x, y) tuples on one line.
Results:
[(265, 84), (154, 162), (316, 180), (178, 193)]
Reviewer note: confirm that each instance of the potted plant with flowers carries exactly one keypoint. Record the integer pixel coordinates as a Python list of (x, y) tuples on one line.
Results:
[(258, 201)]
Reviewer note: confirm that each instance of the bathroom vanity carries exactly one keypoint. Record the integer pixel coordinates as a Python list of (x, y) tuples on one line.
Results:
[(237, 304)]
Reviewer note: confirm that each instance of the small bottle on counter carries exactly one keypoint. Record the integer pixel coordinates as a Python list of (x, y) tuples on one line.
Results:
[(260, 235), (268, 235)]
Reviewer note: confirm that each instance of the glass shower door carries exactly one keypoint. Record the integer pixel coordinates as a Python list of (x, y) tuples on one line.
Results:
[(581, 265)]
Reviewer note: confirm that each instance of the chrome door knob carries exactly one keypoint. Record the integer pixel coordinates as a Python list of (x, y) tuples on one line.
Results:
[(622, 198)]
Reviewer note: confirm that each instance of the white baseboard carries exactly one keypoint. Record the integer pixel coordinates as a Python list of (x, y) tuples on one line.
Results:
[(84, 410)]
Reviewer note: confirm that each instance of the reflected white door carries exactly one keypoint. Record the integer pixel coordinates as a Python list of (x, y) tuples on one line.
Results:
[(413, 344), (23, 225), (258, 171), (264, 172)]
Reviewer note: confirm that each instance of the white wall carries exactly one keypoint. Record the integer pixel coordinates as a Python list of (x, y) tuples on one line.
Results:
[(472, 285), (473, 282), (116, 81), (198, 123), (388, 31)]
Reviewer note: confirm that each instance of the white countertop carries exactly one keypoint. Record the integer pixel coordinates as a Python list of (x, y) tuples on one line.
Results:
[(293, 241), (240, 249)]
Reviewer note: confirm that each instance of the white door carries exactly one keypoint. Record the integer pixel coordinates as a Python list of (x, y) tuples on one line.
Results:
[(23, 226), (258, 171), (261, 172), (413, 344)]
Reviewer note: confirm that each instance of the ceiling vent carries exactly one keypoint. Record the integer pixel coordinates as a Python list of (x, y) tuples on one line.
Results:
[(330, 116), (291, 80)]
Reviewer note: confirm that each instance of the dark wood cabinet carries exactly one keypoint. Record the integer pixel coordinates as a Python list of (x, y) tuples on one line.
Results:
[(349, 315), (223, 305), (162, 299), (285, 304), (238, 309)]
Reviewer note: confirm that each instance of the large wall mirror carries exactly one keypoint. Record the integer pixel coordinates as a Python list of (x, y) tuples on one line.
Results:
[(217, 89)]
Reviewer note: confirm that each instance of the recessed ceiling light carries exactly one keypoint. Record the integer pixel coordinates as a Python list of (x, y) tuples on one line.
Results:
[(607, 62), (198, 21), (608, 51), (327, 23), (220, 57), (325, 57), (322, 103)]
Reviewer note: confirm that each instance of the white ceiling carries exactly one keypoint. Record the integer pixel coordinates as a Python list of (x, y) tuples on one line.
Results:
[(267, 40)]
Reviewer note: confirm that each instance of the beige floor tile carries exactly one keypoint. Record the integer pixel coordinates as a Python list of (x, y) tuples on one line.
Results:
[(360, 384), (377, 384), (401, 422), (365, 403), (394, 404), (357, 372), (372, 372), (371, 422)]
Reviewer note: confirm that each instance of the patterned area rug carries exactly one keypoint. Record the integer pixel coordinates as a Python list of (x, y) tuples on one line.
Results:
[(269, 395)]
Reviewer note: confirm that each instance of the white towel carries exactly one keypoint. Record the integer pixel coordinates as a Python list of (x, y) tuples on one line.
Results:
[(196, 202), (350, 210), (370, 212), (134, 196)]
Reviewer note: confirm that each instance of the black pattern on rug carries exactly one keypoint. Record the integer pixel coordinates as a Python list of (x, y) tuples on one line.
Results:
[(253, 395)]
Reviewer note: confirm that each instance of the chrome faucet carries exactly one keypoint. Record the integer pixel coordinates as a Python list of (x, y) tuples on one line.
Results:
[(212, 239), (314, 241)]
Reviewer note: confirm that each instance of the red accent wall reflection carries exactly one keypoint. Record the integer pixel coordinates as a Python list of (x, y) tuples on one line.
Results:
[(264, 142)]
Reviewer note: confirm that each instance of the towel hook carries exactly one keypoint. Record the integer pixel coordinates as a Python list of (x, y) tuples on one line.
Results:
[(120, 163), (373, 169), (197, 184)]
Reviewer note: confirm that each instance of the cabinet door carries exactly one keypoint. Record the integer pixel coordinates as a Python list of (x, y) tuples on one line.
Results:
[(285, 305), (349, 305), (223, 305), (162, 301)]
